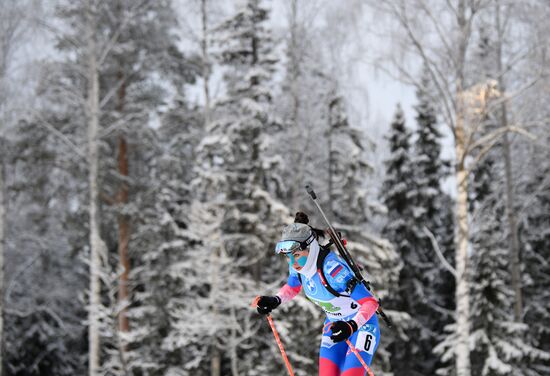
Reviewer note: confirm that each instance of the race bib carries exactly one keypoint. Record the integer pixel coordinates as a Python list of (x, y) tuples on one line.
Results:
[(366, 341)]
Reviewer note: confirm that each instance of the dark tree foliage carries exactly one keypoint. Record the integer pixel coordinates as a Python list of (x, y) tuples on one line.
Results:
[(396, 196), (535, 255)]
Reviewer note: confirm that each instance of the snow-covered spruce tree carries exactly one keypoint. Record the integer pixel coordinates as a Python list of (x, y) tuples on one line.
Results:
[(348, 174), (347, 167), (13, 27), (536, 253), (161, 239), (45, 273), (500, 345), (143, 63), (427, 284), (236, 218), (131, 60), (146, 71), (399, 231), (304, 117), (244, 117), (397, 185)]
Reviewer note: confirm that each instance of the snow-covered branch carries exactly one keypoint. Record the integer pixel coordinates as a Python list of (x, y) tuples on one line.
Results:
[(46, 124), (437, 250)]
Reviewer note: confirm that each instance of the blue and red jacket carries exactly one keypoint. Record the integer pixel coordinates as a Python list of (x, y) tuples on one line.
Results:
[(358, 304)]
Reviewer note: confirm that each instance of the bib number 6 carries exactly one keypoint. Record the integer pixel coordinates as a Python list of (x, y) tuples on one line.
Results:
[(366, 341)]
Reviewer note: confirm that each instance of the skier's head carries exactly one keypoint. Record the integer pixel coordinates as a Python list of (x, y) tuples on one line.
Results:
[(296, 240)]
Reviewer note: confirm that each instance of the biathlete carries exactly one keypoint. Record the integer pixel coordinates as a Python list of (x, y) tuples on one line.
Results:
[(328, 282)]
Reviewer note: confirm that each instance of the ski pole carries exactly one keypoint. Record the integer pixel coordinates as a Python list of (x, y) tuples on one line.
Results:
[(367, 368), (280, 344), (277, 339), (347, 257)]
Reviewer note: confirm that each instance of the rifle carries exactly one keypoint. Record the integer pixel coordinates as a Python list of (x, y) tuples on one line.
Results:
[(344, 253)]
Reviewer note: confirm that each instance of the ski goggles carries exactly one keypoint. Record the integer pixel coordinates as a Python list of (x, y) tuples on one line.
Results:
[(291, 246)]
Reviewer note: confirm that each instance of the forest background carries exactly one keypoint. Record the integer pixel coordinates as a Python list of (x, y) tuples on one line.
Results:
[(152, 151)]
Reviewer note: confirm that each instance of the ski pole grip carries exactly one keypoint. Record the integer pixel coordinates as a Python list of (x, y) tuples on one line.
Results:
[(311, 192)]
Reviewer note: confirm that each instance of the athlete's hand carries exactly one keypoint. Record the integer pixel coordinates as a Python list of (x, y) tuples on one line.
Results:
[(266, 304), (342, 330)]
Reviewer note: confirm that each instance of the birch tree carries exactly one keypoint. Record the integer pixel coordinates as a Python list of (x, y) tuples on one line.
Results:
[(446, 50), (97, 246), (461, 100), (137, 64), (419, 218)]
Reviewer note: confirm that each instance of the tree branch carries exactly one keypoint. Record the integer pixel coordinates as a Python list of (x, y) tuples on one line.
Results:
[(43, 122), (432, 67), (438, 251)]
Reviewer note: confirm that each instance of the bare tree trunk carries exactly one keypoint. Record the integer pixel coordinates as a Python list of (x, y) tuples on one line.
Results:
[(93, 160), (123, 237), (512, 224), (215, 362), (234, 358), (294, 72), (331, 124), (462, 293), (2, 224), (123, 222), (205, 64), (294, 63), (513, 241), (122, 219)]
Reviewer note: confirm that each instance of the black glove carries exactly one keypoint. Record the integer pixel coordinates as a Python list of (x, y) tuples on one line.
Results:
[(267, 303), (342, 330)]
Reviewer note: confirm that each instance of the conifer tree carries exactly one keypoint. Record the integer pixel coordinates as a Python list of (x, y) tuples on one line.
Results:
[(136, 64), (502, 346), (397, 183), (306, 119), (161, 242), (536, 252), (399, 230), (45, 271), (347, 167), (430, 283), (236, 217), (348, 177)]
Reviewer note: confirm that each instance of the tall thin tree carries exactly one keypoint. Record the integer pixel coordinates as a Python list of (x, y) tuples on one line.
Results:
[(97, 246), (513, 236), (448, 66)]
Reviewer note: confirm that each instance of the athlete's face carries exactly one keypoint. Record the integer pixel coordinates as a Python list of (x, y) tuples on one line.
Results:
[(297, 259)]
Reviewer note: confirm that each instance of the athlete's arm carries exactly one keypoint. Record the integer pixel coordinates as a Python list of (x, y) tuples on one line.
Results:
[(368, 304), (340, 275), (290, 289)]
